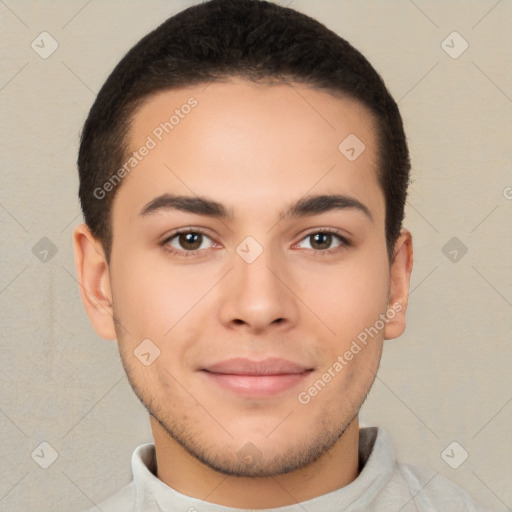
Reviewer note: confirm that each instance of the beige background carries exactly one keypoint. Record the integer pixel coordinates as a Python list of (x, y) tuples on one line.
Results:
[(447, 379)]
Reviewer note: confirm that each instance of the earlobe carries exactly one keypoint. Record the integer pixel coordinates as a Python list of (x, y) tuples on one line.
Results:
[(400, 270), (94, 280)]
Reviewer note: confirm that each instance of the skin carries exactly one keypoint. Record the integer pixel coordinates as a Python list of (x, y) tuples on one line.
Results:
[(256, 149)]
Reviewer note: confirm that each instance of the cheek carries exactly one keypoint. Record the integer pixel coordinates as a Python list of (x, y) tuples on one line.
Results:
[(348, 296), (152, 298)]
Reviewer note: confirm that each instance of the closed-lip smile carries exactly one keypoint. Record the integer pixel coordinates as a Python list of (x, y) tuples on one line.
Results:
[(256, 379)]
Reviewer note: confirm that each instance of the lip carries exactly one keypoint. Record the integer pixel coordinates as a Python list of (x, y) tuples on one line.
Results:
[(269, 366), (256, 379)]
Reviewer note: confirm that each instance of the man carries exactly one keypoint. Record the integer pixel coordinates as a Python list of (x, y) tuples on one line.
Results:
[(243, 175)]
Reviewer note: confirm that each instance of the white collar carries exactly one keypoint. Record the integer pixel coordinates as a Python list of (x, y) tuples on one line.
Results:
[(375, 452)]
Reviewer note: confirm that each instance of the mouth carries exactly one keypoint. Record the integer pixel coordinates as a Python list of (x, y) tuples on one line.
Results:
[(256, 379)]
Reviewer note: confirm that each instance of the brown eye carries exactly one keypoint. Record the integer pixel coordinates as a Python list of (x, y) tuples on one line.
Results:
[(188, 241), (323, 241)]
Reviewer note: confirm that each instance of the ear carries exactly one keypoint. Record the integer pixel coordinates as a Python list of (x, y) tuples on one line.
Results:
[(401, 268), (94, 280)]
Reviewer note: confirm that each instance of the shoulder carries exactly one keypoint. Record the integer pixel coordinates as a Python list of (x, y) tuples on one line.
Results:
[(430, 490), (411, 488), (122, 501)]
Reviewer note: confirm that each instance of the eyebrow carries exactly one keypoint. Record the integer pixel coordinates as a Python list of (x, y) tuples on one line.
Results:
[(309, 205), (190, 204), (314, 205)]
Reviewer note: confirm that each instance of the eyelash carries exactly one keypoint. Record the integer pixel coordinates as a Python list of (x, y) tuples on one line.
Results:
[(344, 242), (183, 253)]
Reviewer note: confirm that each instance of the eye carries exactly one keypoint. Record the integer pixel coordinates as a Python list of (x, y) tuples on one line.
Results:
[(188, 241), (323, 241)]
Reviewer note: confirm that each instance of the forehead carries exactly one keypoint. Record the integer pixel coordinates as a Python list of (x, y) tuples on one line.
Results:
[(251, 145)]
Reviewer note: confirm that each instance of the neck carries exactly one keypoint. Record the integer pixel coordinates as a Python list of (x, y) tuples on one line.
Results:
[(334, 469)]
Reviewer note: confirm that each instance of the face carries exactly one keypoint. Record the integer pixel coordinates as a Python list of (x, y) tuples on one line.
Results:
[(249, 252)]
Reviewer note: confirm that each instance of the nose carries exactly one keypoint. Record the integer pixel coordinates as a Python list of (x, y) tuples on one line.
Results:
[(256, 296)]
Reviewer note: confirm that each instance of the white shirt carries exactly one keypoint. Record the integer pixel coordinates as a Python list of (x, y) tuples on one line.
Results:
[(383, 485)]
